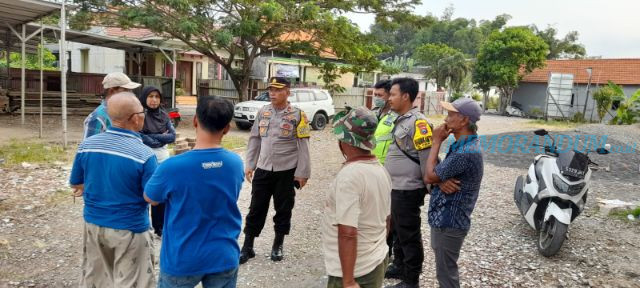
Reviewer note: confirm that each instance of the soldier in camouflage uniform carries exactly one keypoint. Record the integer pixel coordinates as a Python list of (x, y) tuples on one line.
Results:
[(357, 208), (278, 151)]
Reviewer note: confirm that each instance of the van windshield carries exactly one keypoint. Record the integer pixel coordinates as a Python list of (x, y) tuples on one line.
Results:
[(264, 96)]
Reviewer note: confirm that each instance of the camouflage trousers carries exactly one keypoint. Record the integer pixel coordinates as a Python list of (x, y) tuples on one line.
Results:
[(117, 258)]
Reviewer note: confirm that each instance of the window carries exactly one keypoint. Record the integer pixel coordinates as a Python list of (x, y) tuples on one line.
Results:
[(305, 96), (292, 98), (321, 95)]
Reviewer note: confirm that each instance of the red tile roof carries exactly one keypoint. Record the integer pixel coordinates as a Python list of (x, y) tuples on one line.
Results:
[(132, 34), (620, 71)]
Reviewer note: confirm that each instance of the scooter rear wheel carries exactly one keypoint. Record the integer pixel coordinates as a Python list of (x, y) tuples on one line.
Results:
[(551, 237)]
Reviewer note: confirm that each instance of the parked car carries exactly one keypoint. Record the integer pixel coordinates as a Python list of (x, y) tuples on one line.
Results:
[(317, 104)]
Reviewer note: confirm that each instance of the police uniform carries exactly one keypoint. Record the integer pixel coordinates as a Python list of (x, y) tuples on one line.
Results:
[(406, 163), (278, 151), (383, 134)]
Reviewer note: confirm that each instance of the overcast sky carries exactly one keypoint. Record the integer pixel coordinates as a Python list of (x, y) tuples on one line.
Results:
[(610, 29)]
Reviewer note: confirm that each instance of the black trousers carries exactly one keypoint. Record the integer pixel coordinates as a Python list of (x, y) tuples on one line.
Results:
[(406, 221), (157, 218), (267, 184)]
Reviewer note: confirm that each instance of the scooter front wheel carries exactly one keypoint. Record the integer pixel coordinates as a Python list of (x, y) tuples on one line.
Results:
[(551, 237)]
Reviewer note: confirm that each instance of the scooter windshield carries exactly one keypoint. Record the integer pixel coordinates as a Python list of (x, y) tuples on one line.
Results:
[(573, 164)]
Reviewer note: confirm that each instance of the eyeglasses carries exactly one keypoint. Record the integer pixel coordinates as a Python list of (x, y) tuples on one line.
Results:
[(143, 111)]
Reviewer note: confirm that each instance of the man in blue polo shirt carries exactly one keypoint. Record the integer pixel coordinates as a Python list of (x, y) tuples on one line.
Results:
[(110, 171), (200, 189), (450, 209)]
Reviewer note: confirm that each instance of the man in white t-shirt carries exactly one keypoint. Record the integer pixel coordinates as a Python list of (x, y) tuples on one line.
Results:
[(357, 207)]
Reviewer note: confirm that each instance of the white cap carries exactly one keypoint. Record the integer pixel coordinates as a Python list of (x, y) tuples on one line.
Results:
[(118, 79)]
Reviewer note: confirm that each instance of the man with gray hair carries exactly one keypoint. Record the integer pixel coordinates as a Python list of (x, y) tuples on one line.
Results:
[(450, 209), (110, 170)]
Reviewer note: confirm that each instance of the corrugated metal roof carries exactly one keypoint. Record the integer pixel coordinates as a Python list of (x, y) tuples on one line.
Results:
[(16, 12)]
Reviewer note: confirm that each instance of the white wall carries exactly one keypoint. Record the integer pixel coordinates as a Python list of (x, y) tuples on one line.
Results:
[(101, 60)]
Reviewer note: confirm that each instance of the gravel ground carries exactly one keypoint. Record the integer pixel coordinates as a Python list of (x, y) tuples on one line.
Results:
[(40, 229)]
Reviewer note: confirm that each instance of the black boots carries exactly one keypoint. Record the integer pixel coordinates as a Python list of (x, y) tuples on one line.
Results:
[(277, 251), (247, 252)]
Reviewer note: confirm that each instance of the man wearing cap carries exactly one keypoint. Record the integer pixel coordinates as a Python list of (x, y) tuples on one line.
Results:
[(357, 207), (278, 152), (450, 212), (98, 121), (406, 161)]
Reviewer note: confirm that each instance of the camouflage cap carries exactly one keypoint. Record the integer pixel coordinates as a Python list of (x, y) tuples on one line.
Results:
[(356, 127)]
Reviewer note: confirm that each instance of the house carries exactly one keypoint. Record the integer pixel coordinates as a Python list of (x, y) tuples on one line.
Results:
[(531, 93), (192, 66)]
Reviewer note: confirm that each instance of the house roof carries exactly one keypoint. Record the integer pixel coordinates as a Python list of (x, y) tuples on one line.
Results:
[(619, 71), (133, 33)]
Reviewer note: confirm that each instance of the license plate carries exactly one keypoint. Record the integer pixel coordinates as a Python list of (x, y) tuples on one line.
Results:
[(239, 115)]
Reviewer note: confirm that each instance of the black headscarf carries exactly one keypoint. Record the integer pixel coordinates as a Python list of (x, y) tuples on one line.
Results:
[(155, 121)]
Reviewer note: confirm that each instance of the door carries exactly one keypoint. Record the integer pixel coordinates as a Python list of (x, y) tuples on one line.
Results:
[(306, 102), (185, 75)]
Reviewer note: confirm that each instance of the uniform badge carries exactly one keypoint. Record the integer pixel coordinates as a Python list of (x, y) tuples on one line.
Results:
[(422, 135), (264, 127), (303, 129), (266, 114)]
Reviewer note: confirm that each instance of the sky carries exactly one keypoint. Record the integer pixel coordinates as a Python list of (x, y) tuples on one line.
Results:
[(606, 28)]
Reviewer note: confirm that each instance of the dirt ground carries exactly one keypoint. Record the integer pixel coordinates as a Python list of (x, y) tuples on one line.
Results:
[(40, 225)]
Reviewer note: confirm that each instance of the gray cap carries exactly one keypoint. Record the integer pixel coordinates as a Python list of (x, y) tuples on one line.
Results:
[(465, 106)]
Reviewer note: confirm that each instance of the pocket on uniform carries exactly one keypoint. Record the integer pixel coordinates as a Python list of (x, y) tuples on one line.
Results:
[(286, 129)]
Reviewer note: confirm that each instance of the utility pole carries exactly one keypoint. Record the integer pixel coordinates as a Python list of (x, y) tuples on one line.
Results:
[(586, 98)]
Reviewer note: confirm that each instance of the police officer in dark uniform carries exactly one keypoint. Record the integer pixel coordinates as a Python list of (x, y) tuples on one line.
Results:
[(278, 153)]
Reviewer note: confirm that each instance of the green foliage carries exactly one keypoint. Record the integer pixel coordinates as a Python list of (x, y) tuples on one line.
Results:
[(446, 64), (32, 60), (329, 73), (505, 58), (16, 152), (455, 96), (398, 64), (230, 30), (629, 111), (493, 103), (536, 112), (477, 96), (605, 96), (578, 118), (565, 48)]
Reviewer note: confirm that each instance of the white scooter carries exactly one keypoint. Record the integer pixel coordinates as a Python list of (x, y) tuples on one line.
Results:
[(554, 193)]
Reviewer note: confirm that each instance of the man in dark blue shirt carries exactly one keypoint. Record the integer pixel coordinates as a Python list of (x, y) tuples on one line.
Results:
[(450, 207)]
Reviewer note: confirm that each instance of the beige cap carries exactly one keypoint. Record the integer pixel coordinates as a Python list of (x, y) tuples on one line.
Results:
[(118, 79)]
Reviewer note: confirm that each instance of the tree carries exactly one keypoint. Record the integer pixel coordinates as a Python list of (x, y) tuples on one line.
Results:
[(232, 30), (446, 64), (565, 48), (605, 96), (32, 61), (506, 57)]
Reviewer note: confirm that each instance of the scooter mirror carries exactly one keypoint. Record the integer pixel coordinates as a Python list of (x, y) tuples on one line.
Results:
[(602, 151), (541, 132)]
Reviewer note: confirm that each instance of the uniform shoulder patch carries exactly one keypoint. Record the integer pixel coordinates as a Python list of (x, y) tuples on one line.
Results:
[(303, 130), (422, 135)]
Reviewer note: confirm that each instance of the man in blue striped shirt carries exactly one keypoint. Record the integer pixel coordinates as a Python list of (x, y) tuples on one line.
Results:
[(110, 171)]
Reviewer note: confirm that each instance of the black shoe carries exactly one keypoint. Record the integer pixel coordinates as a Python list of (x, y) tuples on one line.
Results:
[(246, 254), (393, 272), (277, 253), (404, 285)]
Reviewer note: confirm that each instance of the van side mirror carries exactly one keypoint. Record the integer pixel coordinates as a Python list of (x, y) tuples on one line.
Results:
[(541, 132)]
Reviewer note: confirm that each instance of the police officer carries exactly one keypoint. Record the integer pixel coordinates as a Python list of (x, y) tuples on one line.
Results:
[(278, 152), (386, 117), (406, 162)]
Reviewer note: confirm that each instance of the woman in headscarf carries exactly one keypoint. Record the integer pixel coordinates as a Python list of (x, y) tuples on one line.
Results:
[(156, 133)]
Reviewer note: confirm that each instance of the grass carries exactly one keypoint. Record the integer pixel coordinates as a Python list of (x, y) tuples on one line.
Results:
[(233, 142), (552, 124), (622, 214), (16, 152)]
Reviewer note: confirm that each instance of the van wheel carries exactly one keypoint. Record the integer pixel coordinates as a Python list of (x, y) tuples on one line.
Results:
[(243, 125), (319, 121)]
